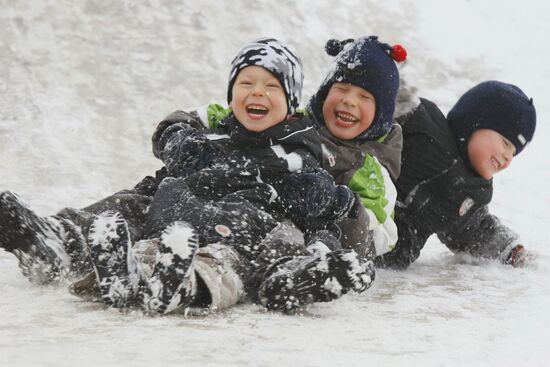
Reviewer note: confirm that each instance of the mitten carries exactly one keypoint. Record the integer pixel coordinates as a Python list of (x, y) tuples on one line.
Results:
[(313, 194)]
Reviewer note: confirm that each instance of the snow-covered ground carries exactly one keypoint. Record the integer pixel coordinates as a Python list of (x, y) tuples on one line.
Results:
[(82, 86)]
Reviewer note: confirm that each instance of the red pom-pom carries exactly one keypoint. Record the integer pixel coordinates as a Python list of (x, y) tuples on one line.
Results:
[(398, 53)]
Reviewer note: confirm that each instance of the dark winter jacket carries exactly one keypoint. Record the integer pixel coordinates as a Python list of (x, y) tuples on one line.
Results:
[(438, 192), (367, 167), (261, 168)]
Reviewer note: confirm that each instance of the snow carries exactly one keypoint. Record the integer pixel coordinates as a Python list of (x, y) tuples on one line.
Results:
[(104, 230), (333, 286), (179, 237), (82, 86)]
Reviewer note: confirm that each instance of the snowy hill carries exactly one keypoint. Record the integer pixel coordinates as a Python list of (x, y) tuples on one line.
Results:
[(82, 86)]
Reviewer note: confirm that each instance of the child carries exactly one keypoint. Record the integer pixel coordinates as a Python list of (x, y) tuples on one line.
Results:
[(446, 182), (235, 180), (353, 109)]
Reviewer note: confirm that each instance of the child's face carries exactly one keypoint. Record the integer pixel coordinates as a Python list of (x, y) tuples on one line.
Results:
[(348, 110), (489, 152), (258, 101)]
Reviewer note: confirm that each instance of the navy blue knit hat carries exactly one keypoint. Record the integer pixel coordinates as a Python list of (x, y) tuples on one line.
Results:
[(369, 64), (494, 105), (279, 59)]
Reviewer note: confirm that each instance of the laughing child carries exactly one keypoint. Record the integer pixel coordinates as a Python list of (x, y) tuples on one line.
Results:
[(446, 180), (353, 109)]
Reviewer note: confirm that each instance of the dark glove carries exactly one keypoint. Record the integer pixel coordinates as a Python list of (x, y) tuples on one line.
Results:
[(185, 150), (314, 195)]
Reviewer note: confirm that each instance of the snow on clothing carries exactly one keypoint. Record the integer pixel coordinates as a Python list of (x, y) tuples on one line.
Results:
[(217, 267), (230, 179), (232, 163), (219, 283), (53, 247), (366, 166), (439, 192)]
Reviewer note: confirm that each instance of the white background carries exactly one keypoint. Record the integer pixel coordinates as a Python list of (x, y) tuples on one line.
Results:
[(82, 86)]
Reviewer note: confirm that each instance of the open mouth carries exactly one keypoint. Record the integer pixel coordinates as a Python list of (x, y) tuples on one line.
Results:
[(345, 119), (496, 163), (257, 110)]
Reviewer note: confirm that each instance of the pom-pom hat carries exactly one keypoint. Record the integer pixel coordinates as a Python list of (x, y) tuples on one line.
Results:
[(494, 105), (369, 64), (279, 59)]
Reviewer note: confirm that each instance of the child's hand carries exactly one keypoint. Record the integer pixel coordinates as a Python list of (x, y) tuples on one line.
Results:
[(313, 194), (520, 257), (185, 150)]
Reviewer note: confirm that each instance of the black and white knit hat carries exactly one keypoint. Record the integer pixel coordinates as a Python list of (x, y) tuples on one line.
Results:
[(369, 64), (279, 59), (494, 105)]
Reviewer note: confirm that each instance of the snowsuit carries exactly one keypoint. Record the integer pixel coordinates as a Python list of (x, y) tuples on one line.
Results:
[(240, 172), (439, 192), (367, 167), (235, 187)]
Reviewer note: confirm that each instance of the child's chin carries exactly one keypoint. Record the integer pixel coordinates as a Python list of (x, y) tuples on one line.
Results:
[(342, 134), (487, 175), (255, 126)]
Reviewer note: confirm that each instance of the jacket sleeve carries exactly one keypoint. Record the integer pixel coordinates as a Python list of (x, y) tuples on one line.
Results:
[(482, 235), (410, 242), (378, 195)]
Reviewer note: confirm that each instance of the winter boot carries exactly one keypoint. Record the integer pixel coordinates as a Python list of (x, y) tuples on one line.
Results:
[(172, 283), (296, 282), (44, 246), (109, 243)]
